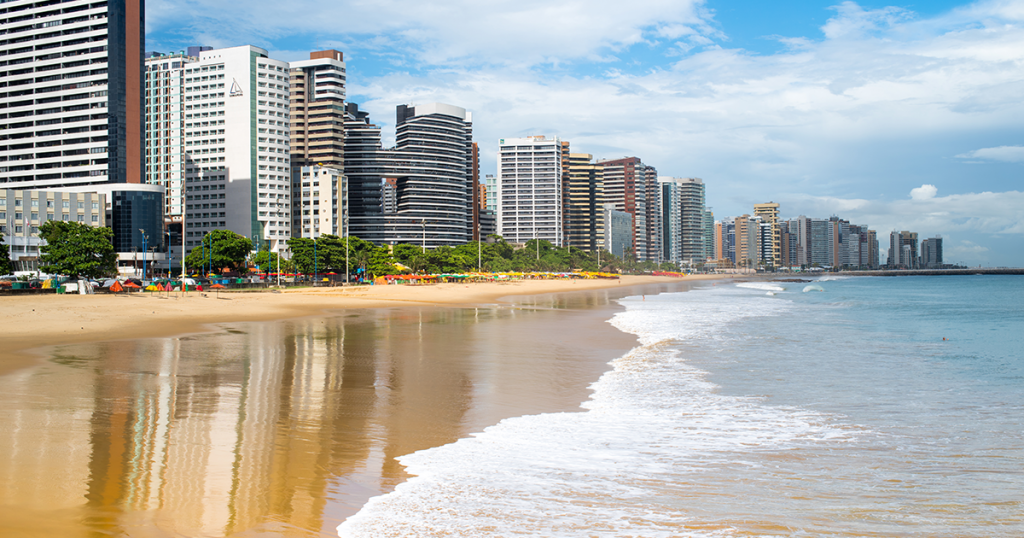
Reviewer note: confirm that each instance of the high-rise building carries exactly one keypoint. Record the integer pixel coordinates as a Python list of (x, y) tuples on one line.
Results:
[(709, 234), (323, 199), (931, 253), (625, 186), (474, 190), (237, 162), (584, 204), (491, 186), (618, 231), (364, 168), (165, 135), (684, 233), (652, 218), (317, 107), (769, 213), (530, 190), (71, 93), (903, 250), (872, 254), (420, 192)]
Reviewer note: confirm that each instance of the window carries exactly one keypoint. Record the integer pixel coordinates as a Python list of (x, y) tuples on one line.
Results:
[(81, 205), (95, 218), (35, 202), (65, 204), (81, 218)]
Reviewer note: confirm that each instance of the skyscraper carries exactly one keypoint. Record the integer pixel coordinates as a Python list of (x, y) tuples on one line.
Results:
[(903, 250), (236, 145), (931, 253), (584, 205), (530, 189), (317, 107), (769, 213), (72, 93), (420, 192), (683, 231), (624, 186)]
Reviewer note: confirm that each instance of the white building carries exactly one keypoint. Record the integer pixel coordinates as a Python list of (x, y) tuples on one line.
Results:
[(236, 145), (323, 199), (529, 189), (71, 93)]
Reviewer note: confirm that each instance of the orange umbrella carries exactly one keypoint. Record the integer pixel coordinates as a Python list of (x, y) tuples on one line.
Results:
[(116, 287), (218, 287)]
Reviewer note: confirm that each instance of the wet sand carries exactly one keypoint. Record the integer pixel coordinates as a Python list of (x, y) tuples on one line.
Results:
[(283, 427), (28, 322)]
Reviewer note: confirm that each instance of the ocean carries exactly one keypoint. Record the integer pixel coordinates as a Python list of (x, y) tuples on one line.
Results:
[(874, 407)]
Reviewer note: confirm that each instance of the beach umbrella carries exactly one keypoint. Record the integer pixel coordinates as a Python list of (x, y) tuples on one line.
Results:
[(218, 287), (116, 287)]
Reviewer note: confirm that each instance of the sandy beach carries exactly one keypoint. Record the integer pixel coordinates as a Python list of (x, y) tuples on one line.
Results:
[(239, 414), (30, 322)]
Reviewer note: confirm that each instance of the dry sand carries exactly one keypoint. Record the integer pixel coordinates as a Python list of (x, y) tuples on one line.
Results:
[(29, 322)]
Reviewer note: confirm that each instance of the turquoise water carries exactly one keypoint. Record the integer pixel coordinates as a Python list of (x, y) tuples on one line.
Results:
[(758, 409)]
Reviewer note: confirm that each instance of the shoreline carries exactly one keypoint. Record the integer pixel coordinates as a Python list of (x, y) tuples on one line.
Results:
[(473, 368), (32, 324)]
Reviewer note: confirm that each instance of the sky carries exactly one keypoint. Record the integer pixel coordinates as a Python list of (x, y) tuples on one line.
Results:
[(898, 116)]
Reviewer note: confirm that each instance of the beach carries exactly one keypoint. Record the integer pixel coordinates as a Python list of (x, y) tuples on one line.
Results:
[(275, 412), (45, 320)]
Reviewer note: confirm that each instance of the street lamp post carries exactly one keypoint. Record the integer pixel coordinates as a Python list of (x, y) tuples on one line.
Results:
[(314, 261), (347, 271), (143, 232), (424, 236)]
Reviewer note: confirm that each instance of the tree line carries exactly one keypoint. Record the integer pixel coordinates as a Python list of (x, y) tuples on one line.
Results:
[(79, 249)]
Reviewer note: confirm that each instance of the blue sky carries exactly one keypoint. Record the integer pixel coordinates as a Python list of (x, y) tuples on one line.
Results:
[(895, 115)]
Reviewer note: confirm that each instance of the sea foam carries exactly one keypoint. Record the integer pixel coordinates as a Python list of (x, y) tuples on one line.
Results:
[(651, 420)]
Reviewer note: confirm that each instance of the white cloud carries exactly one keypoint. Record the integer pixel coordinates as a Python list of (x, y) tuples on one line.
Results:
[(854, 21), (526, 32), (924, 192), (965, 248), (1009, 154)]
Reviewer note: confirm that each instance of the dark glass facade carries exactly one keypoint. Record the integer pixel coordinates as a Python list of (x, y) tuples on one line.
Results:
[(133, 211)]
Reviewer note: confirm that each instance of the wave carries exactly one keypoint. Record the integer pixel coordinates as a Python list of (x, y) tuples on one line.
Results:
[(653, 425), (760, 286)]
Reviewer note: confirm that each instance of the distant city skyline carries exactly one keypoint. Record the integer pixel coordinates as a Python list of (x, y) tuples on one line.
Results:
[(899, 116)]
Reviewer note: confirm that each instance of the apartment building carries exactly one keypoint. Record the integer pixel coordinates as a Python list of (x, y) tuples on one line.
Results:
[(237, 166), (530, 189), (71, 92), (583, 213)]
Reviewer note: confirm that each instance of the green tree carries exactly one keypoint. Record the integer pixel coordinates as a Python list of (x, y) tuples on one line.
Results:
[(269, 262), (381, 262), (6, 267), (219, 250), (74, 248)]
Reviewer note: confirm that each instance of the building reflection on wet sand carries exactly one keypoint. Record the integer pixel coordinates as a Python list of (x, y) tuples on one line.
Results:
[(282, 428)]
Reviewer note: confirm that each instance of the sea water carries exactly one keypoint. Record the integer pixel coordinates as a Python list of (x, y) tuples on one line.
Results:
[(876, 407)]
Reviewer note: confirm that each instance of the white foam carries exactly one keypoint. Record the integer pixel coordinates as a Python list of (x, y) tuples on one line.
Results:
[(651, 419), (765, 286)]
